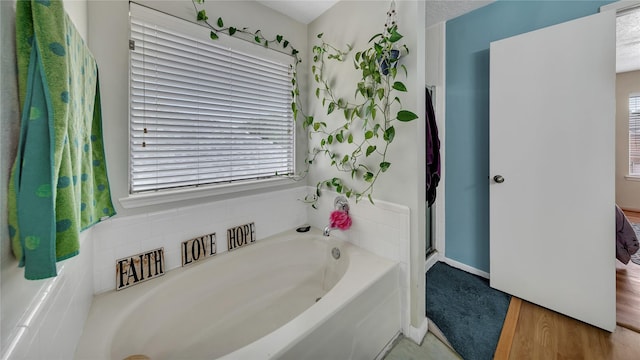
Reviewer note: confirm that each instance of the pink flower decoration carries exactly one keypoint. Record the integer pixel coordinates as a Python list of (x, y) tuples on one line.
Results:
[(340, 219)]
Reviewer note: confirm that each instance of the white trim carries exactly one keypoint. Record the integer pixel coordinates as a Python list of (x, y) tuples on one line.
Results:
[(416, 334), (167, 196), (632, 177), (440, 224), (467, 268), (432, 259)]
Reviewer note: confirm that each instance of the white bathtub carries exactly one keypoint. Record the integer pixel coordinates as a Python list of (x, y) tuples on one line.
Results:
[(257, 302)]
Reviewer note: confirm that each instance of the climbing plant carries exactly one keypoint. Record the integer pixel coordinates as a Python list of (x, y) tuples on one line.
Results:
[(357, 146)]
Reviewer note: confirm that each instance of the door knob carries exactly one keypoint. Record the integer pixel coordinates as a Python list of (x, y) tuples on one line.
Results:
[(499, 179)]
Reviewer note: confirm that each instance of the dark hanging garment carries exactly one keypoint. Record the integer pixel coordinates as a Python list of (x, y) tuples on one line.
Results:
[(433, 151)]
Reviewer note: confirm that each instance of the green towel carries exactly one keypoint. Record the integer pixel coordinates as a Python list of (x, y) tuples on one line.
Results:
[(58, 185)]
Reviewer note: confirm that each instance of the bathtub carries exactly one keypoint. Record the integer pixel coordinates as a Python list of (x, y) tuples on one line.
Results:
[(284, 297)]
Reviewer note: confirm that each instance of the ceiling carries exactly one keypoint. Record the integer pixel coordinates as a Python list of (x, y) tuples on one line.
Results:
[(305, 11), (628, 25)]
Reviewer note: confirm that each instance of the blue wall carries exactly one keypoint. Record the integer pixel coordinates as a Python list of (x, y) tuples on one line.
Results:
[(467, 113)]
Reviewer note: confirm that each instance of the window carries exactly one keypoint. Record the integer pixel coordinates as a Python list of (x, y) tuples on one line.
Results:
[(204, 112), (634, 135)]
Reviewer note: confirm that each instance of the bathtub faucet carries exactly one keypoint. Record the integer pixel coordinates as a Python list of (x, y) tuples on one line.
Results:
[(327, 230), (339, 218)]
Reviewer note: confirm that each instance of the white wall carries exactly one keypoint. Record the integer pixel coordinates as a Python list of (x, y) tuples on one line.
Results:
[(627, 190), (354, 22), (43, 318)]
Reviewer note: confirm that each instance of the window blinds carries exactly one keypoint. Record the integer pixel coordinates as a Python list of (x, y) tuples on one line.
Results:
[(201, 111), (634, 135)]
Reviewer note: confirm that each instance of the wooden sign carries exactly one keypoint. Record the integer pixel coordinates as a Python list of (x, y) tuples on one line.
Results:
[(240, 236), (141, 267), (199, 248)]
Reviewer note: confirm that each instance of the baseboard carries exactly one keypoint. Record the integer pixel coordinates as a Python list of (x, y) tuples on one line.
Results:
[(416, 334), (467, 268), (433, 258)]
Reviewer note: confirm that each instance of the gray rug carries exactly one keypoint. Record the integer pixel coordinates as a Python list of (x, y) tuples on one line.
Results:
[(469, 313)]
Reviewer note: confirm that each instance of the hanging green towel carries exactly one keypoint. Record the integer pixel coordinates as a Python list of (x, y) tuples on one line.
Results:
[(59, 183)]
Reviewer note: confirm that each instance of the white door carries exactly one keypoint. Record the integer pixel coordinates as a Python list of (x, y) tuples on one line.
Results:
[(552, 112)]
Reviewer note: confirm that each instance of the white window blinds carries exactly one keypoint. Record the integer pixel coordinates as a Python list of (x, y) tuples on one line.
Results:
[(204, 111), (634, 134)]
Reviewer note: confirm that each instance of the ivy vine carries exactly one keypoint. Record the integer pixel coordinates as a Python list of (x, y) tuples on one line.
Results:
[(358, 146), (368, 126)]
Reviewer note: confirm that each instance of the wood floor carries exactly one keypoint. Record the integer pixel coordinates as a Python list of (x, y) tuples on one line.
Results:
[(546, 335), (533, 332)]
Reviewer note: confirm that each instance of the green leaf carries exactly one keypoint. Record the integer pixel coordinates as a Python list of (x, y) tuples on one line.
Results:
[(340, 137), (323, 142), (378, 49), (350, 139), (384, 166), (399, 86), (370, 199), (319, 35), (232, 31), (257, 39), (316, 126), (395, 36), (330, 139), (318, 93), (380, 93), (405, 115), (370, 149), (202, 15), (389, 134), (345, 159), (368, 135), (368, 176), (279, 38), (308, 121), (331, 107), (220, 23), (213, 35), (285, 44)]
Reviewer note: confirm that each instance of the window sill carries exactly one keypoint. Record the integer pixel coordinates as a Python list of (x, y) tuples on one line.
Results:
[(168, 196), (632, 177)]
